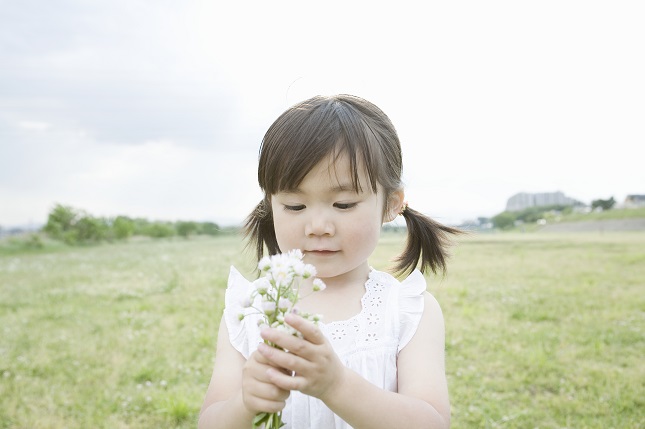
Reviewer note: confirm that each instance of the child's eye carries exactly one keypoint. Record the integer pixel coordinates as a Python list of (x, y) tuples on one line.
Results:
[(296, 208), (344, 206)]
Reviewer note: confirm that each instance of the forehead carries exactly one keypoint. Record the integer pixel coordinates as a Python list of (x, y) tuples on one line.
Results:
[(335, 173)]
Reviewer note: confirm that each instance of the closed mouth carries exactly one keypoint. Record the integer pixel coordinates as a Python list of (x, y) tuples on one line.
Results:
[(321, 252)]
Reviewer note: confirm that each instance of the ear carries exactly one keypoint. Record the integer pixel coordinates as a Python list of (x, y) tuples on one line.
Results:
[(394, 204)]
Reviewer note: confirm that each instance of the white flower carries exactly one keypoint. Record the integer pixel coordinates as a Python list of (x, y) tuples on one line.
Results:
[(295, 253), (310, 271), (264, 264), (279, 262), (268, 307), (284, 304), (262, 286), (282, 276), (286, 328), (319, 285), (276, 294), (299, 268)]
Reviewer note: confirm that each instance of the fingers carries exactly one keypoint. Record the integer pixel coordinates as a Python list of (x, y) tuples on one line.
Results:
[(284, 381), (259, 392), (279, 358), (255, 372), (309, 330), (301, 351), (261, 405), (259, 358), (269, 391), (315, 367)]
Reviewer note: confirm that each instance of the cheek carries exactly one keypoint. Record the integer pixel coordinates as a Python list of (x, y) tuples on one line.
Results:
[(364, 233), (285, 231), (364, 229)]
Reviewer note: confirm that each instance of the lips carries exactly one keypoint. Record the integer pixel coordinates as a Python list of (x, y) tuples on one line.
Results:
[(321, 252)]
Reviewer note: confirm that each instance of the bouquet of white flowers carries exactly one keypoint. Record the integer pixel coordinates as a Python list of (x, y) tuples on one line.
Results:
[(279, 290)]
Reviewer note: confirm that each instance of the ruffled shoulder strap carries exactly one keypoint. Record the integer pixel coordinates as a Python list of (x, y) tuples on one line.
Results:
[(243, 334), (411, 302)]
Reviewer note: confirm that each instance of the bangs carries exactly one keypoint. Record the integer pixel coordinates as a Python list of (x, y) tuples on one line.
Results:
[(318, 129)]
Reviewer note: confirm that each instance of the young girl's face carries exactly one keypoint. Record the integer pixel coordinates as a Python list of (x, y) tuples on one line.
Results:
[(336, 227)]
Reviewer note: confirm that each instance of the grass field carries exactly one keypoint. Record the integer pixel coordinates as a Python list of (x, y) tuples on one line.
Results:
[(543, 330), (606, 215)]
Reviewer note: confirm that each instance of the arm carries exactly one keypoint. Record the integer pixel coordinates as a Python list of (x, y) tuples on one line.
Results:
[(421, 402), (239, 388)]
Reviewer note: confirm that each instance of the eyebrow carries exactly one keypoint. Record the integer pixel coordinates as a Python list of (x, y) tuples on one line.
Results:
[(344, 187), (341, 187)]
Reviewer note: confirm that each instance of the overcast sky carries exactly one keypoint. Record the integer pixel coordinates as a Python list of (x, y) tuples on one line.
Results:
[(157, 108)]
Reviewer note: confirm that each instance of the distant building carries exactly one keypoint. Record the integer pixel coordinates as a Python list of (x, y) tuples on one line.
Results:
[(634, 201), (523, 200)]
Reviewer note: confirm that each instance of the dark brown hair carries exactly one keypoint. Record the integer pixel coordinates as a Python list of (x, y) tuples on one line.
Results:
[(314, 129)]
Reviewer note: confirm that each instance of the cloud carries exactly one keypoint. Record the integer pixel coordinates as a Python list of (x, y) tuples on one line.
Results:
[(121, 78), (34, 125), (158, 108)]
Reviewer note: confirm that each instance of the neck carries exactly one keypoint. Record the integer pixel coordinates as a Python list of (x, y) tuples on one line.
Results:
[(357, 276)]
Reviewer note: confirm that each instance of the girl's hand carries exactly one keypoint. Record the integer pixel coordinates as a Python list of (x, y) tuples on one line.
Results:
[(317, 369), (258, 392)]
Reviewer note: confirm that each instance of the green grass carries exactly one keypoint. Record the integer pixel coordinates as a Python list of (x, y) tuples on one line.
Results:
[(543, 330), (605, 215)]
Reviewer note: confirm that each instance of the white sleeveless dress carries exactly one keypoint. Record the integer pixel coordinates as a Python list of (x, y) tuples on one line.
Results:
[(367, 343)]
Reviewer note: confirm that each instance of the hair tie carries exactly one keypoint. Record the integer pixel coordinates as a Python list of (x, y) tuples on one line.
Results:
[(403, 207)]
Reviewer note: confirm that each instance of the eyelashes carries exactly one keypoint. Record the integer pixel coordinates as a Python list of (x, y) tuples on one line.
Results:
[(294, 208), (300, 207), (345, 206)]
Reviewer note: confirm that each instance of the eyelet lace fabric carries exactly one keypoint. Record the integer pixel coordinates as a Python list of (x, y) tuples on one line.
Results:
[(367, 343), (365, 329)]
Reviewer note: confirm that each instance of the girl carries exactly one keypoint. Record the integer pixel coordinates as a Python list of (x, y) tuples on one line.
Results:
[(330, 169)]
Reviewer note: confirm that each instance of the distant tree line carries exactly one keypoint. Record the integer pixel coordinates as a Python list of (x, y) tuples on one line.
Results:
[(75, 226), (507, 219)]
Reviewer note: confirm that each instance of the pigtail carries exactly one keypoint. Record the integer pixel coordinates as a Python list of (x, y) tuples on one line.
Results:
[(259, 230), (427, 242)]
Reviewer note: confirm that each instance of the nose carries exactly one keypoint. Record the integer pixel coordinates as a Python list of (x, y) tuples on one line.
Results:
[(319, 223)]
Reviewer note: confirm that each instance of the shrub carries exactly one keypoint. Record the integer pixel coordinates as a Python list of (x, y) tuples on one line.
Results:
[(209, 228), (60, 222), (91, 229), (159, 230), (504, 220), (186, 228), (123, 227), (603, 204)]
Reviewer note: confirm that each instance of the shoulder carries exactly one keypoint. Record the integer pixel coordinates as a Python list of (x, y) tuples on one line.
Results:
[(238, 289), (381, 278), (430, 330), (421, 364), (240, 320), (414, 284), (423, 309), (432, 308), (404, 303)]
